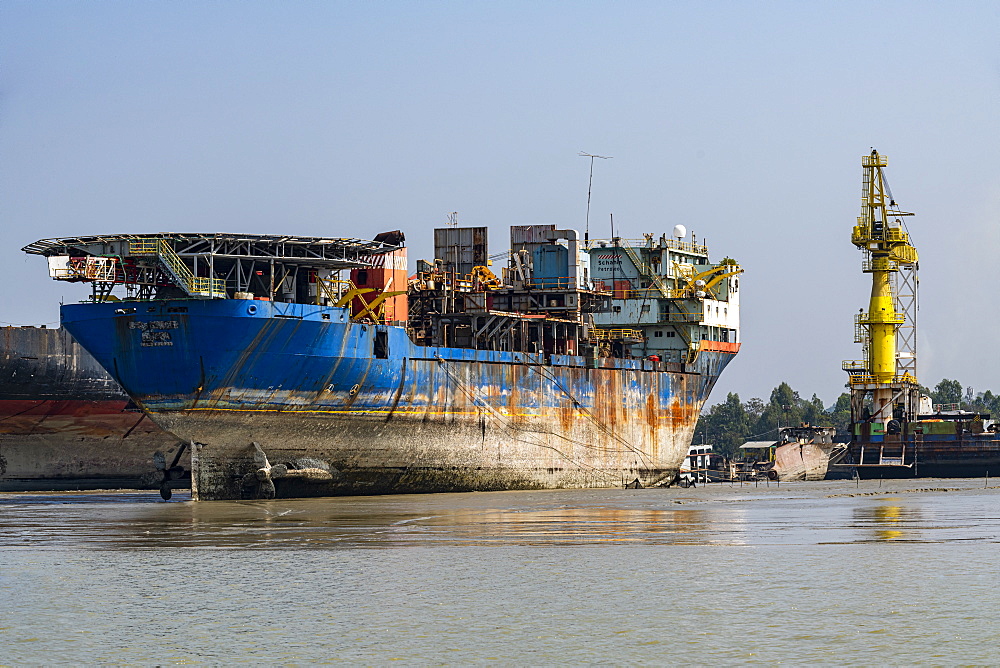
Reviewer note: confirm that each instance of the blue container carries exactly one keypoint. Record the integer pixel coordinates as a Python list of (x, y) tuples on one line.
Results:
[(550, 269)]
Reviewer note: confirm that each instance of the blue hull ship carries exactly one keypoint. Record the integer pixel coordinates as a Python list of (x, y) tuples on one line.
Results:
[(462, 380)]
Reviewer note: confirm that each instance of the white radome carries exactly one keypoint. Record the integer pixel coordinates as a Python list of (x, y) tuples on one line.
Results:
[(680, 231)]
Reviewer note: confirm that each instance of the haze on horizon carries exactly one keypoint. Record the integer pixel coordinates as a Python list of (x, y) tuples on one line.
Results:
[(746, 122)]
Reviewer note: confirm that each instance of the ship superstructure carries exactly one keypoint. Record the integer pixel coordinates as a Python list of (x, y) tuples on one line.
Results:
[(666, 291), (659, 300), (312, 366)]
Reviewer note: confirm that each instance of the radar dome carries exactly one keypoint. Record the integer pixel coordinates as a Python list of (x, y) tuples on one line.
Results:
[(680, 231)]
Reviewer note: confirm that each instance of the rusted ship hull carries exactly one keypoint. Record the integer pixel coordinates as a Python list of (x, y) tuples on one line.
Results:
[(456, 443), (332, 412), (66, 424), (801, 461)]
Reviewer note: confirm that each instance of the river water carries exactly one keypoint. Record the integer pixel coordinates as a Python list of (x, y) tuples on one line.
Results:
[(845, 572)]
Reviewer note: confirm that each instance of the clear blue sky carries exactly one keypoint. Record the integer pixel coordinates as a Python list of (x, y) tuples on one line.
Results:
[(744, 121)]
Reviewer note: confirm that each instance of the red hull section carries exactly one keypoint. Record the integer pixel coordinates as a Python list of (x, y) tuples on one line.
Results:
[(65, 424)]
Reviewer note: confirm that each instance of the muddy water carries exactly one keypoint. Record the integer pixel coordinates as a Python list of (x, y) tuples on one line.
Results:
[(900, 572)]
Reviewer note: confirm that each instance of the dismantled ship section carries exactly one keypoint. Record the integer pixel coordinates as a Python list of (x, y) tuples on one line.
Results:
[(308, 366), (65, 424)]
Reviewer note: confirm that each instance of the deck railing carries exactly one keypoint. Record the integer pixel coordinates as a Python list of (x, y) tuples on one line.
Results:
[(187, 281), (600, 334)]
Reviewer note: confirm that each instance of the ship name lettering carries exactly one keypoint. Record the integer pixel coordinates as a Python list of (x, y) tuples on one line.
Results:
[(154, 324), (149, 339)]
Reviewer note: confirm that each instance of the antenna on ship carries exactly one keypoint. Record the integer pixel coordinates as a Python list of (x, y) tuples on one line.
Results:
[(586, 229), (453, 219)]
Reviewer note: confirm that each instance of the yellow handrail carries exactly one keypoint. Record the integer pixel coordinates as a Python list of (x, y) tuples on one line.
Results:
[(612, 334), (189, 282), (332, 289), (644, 269), (869, 379)]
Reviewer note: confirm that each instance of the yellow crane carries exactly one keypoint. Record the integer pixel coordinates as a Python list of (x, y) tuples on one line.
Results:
[(887, 246), (884, 389)]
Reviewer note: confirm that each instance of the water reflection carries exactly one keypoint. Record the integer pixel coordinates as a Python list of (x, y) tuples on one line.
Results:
[(441, 519), (808, 513), (585, 517), (890, 521)]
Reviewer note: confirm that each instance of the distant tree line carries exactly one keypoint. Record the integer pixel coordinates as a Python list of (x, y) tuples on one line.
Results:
[(730, 424), (950, 393)]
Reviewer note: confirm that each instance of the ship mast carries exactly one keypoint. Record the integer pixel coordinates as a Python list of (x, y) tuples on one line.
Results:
[(879, 391)]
